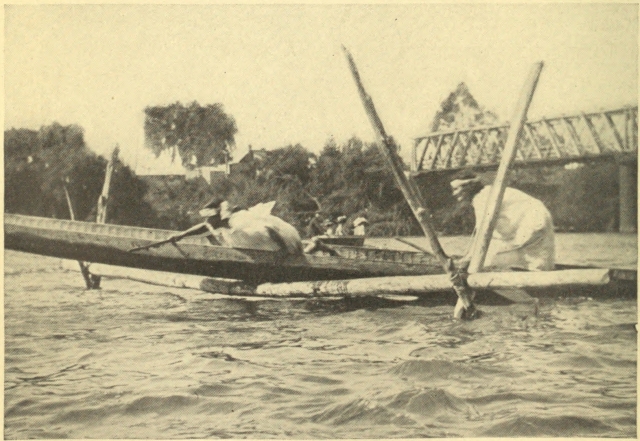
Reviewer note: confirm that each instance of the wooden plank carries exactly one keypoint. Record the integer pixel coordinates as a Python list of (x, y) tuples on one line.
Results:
[(487, 223), (103, 204)]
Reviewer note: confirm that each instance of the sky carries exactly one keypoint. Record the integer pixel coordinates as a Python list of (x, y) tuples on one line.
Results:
[(280, 72)]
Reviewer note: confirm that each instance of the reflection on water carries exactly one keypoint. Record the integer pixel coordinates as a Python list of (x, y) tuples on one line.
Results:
[(137, 361)]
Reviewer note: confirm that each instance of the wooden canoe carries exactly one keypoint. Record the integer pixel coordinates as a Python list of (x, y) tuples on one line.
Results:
[(110, 244), (350, 241)]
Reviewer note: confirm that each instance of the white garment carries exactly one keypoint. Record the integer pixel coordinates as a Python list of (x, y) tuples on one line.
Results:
[(360, 230), (523, 236), (360, 226), (250, 229)]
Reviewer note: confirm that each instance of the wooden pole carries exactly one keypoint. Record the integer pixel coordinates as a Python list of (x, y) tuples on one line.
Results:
[(174, 280), (488, 221), (103, 200), (410, 191), (89, 279)]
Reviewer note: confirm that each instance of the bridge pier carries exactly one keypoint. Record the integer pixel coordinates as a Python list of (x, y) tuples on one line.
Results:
[(628, 196)]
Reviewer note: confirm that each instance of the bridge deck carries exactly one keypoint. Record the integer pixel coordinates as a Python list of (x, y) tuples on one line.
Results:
[(558, 140)]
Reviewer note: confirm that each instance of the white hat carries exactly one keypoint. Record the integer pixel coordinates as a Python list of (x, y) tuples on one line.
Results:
[(360, 221), (459, 183), (211, 208), (226, 210)]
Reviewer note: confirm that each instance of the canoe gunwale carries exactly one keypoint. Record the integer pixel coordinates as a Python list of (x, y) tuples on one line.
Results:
[(110, 243)]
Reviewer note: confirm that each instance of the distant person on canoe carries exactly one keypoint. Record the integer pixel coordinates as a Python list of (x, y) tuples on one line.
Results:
[(254, 228), (523, 236), (329, 228), (360, 226), (341, 226), (315, 226)]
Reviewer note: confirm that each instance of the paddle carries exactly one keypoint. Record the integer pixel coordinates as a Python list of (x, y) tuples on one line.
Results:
[(153, 245), (413, 245)]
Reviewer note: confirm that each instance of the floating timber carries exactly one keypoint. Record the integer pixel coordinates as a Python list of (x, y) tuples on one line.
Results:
[(110, 244), (562, 282)]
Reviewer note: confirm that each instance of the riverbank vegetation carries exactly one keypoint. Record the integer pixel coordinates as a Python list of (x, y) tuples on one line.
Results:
[(346, 178)]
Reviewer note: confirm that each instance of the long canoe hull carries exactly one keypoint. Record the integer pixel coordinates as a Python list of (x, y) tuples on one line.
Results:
[(110, 244)]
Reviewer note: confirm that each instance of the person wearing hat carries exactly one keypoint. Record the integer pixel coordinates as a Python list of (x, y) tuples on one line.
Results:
[(253, 228), (315, 226), (341, 227), (523, 236), (329, 227), (211, 213), (256, 228), (360, 225)]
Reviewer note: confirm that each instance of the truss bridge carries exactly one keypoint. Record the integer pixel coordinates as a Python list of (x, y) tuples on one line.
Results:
[(546, 141), (584, 137)]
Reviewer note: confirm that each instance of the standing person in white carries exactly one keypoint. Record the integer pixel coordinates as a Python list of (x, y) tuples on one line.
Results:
[(360, 226), (523, 236)]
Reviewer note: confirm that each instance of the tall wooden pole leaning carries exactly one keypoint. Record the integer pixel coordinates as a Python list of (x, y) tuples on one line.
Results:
[(84, 268), (410, 191), (103, 202), (487, 224)]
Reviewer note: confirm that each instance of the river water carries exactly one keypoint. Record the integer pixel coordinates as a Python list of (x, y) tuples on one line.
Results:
[(139, 361)]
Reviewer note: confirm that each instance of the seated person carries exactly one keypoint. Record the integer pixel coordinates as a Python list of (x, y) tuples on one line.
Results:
[(253, 228), (341, 229)]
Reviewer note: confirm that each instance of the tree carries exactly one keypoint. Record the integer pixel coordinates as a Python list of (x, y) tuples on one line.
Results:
[(40, 164), (460, 110), (205, 133)]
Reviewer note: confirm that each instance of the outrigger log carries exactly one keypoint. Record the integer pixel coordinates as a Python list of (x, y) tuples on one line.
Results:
[(583, 279)]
